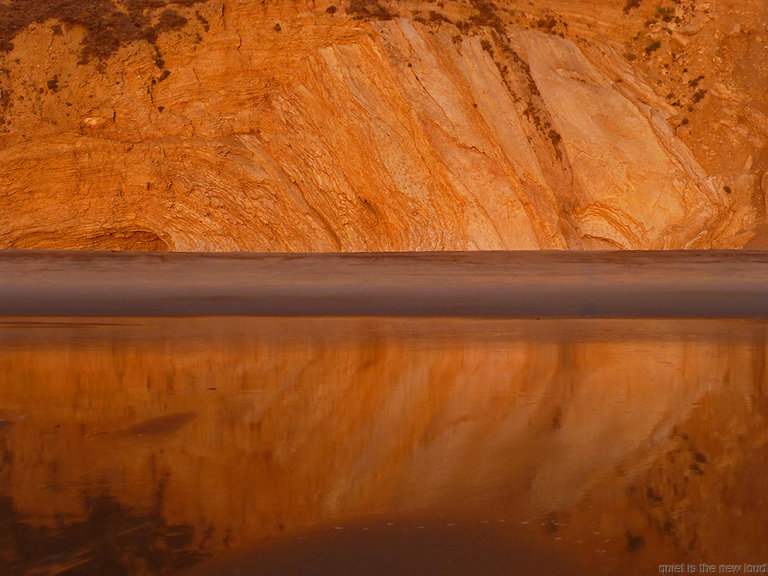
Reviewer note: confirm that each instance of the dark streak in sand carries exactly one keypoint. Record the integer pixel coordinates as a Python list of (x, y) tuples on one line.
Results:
[(161, 425)]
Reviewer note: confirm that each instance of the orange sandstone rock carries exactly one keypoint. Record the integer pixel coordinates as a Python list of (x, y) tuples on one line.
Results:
[(292, 126)]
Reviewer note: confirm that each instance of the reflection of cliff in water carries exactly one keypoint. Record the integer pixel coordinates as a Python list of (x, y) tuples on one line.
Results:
[(111, 538), (621, 444)]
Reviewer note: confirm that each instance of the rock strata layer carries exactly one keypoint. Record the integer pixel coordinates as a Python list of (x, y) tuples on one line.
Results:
[(293, 126)]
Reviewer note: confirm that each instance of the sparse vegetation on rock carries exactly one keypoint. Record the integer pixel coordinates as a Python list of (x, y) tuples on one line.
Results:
[(369, 9), (107, 24), (653, 46)]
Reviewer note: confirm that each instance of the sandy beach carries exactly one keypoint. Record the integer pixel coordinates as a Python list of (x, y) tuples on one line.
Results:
[(712, 284)]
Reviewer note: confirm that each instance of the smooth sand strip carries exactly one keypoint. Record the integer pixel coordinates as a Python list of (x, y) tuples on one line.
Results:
[(713, 284)]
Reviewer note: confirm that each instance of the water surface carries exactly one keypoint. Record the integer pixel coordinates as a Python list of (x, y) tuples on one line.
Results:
[(380, 445)]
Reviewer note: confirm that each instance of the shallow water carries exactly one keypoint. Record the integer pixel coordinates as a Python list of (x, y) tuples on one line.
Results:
[(381, 446)]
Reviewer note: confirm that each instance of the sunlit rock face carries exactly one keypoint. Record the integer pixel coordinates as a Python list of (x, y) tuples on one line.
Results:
[(615, 443), (302, 126)]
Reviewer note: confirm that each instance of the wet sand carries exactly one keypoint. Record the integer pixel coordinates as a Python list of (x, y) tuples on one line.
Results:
[(300, 419), (712, 284), (391, 546), (390, 446)]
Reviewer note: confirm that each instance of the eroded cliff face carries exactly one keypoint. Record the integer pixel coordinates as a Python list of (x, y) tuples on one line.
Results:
[(298, 126)]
